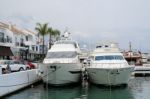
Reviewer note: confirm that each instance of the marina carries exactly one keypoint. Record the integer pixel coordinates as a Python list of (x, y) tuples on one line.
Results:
[(105, 67), (74, 49)]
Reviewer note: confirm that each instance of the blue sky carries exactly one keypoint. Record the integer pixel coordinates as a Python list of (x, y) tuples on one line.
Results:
[(89, 21)]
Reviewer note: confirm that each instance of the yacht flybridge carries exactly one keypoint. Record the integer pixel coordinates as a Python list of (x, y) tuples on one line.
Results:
[(108, 66), (62, 64)]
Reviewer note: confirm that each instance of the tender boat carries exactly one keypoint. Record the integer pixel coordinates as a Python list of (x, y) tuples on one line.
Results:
[(107, 65), (62, 64)]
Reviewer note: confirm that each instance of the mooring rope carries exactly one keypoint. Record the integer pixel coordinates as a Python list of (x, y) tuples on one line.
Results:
[(48, 73)]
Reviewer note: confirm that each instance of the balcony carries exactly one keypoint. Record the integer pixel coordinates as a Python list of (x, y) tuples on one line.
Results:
[(4, 40), (20, 44)]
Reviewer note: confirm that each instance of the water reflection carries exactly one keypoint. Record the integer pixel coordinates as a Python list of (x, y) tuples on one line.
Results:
[(63, 93), (96, 92), (138, 88)]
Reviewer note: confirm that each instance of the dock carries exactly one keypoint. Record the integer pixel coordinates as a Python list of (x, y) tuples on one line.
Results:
[(15, 81), (141, 71)]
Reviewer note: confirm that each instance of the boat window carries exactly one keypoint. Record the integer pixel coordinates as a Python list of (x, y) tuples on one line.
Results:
[(118, 57), (68, 54), (109, 57), (98, 46), (99, 58), (106, 45)]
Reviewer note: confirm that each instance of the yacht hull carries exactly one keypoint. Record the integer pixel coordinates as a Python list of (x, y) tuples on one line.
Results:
[(107, 76), (58, 74)]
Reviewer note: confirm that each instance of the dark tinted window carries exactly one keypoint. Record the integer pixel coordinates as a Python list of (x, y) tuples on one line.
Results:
[(109, 57), (99, 58), (118, 57)]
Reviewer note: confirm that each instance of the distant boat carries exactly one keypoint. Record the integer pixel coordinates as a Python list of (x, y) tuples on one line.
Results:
[(62, 63), (108, 66)]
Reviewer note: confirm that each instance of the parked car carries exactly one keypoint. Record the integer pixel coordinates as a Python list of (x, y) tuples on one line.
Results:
[(12, 65), (3, 64), (31, 65)]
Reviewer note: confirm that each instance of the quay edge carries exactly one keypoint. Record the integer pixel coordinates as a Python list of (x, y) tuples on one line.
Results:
[(13, 82)]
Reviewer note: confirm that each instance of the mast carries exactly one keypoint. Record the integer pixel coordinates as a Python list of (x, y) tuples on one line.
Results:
[(130, 47), (130, 51)]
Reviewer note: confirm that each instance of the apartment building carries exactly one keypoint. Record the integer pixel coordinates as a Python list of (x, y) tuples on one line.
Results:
[(19, 43)]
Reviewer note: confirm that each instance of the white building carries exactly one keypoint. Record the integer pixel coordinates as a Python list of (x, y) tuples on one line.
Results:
[(18, 43)]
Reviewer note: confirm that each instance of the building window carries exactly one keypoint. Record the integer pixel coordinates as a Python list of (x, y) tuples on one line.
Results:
[(1, 37), (21, 40), (15, 39), (33, 48), (7, 39), (26, 38), (36, 48), (10, 40)]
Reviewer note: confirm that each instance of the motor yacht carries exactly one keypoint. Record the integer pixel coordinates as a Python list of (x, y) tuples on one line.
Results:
[(62, 64), (107, 65)]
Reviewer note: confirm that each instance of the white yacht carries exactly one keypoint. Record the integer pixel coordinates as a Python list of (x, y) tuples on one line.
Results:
[(62, 63), (107, 65)]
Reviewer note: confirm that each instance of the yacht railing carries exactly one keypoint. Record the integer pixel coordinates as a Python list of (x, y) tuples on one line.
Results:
[(66, 60), (108, 65)]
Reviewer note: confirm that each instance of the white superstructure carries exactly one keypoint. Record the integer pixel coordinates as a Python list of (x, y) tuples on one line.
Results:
[(108, 66), (62, 64)]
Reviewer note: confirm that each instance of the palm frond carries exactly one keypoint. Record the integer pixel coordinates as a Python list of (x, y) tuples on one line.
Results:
[(42, 29), (56, 32)]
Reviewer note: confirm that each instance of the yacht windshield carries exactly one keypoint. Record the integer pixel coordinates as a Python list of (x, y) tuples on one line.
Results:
[(67, 54), (109, 57)]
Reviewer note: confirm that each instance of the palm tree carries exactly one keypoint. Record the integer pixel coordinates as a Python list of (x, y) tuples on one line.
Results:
[(56, 32), (52, 33), (42, 29)]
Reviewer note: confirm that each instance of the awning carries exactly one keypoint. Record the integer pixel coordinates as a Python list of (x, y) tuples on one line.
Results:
[(5, 51)]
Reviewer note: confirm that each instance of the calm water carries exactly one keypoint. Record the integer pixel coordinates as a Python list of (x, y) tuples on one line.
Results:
[(138, 88)]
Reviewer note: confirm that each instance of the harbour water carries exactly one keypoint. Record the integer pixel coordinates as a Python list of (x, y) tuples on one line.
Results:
[(138, 88)]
